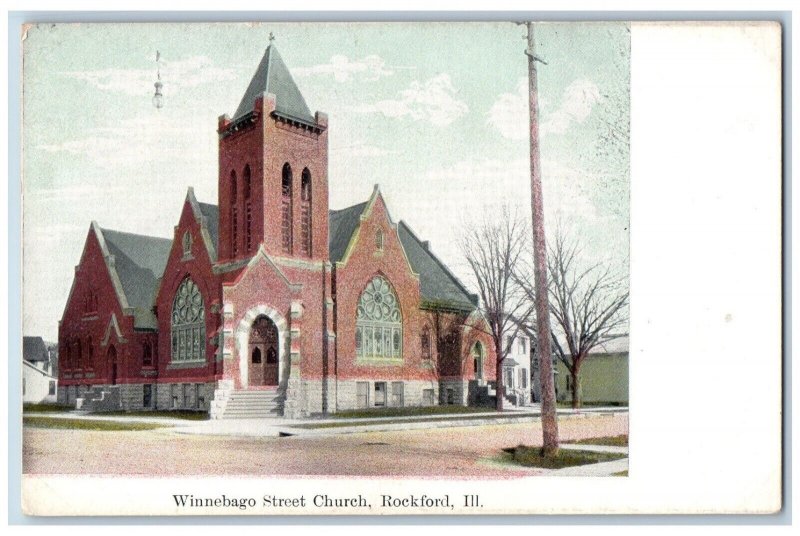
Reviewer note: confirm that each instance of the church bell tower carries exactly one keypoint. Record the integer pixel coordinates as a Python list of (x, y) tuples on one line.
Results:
[(273, 170)]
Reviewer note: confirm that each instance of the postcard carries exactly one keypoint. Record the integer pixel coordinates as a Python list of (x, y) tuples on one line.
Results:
[(400, 268)]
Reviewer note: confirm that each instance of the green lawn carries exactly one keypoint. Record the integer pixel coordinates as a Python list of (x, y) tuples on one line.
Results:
[(532, 457), (406, 421), (188, 415), (567, 404), (621, 473), (616, 441), (408, 411), (87, 424), (45, 408)]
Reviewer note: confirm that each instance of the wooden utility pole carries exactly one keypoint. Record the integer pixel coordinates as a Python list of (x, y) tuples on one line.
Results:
[(549, 422)]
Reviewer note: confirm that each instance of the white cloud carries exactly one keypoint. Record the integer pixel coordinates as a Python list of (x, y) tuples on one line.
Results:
[(435, 100), (149, 139), (369, 68), (509, 113), (175, 75)]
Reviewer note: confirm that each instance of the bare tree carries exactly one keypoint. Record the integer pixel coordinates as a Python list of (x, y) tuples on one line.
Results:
[(589, 306), (494, 250)]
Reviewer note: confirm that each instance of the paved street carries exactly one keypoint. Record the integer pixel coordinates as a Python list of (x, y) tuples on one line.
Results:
[(452, 452)]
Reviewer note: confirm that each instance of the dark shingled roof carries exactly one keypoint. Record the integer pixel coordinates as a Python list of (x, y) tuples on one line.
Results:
[(341, 226), (34, 349), (272, 76), (139, 261), (211, 213), (437, 284)]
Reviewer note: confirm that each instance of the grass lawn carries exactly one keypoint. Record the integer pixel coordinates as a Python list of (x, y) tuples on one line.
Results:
[(176, 414), (568, 404), (532, 457), (45, 408), (621, 473), (405, 421), (87, 424), (408, 411), (616, 441)]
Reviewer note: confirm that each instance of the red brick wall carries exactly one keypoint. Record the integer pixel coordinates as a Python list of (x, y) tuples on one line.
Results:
[(365, 262), (78, 323), (199, 269)]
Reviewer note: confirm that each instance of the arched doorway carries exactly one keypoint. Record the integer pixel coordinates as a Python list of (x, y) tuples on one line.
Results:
[(263, 353), (112, 365)]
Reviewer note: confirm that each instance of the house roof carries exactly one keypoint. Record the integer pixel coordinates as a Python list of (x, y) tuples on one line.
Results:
[(34, 349), (139, 262), (272, 76)]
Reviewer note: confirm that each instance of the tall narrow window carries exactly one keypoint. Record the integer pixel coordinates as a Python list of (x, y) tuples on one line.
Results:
[(187, 244), (89, 354), (248, 211), (425, 343), (379, 240), (286, 209), (147, 354), (477, 360), (79, 353), (188, 323), (305, 212), (234, 201)]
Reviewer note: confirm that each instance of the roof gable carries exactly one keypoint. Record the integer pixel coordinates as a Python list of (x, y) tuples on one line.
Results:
[(139, 262), (272, 76), (207, 217)]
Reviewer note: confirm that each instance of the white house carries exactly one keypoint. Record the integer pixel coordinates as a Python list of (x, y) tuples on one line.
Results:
[(39, 383), (517, 370)]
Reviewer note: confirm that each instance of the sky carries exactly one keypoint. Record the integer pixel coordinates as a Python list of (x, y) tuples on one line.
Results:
[(435, 113)]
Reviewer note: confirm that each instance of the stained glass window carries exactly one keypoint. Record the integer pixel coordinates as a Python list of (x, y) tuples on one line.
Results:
[(188, 323), (379, 326)]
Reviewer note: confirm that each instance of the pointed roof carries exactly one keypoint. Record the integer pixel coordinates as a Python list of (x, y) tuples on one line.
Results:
[(438, 286), (272, 76), (139, 262)]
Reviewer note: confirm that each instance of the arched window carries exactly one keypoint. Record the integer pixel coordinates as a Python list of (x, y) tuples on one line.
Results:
[(79, 353), (188, 323), (147, 354), (379, 240), (286, 208), (234, 216), (477, 360), (187, 244), (248, 211), (425, 342), (305, 212), (379, 323)]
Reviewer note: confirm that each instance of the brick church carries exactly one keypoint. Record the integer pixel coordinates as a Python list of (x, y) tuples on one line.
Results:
[(268, 302)]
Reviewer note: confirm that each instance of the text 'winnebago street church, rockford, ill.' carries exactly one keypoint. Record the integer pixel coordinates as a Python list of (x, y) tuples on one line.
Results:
[(270, 303)]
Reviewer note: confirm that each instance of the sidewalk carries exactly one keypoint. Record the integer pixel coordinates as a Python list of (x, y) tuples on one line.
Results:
[(278, 426)]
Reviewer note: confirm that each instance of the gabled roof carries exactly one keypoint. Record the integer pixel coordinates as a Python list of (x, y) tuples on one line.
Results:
[(207, 216), (139, 262), (34, 349), (438, 286), (272, 76), (341, 226), (211, 213)]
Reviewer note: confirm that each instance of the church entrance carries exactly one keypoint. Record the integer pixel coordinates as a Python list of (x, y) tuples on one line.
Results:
[(263, 353)]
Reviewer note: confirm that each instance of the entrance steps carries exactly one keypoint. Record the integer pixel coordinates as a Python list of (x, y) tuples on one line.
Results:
[(254, 404)]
